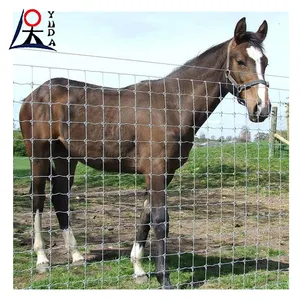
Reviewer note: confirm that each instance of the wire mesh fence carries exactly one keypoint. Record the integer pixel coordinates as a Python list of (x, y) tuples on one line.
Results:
[(228, 204)]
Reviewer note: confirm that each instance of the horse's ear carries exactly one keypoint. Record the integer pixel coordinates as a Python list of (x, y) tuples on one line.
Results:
[(263, 30), (240, 29)]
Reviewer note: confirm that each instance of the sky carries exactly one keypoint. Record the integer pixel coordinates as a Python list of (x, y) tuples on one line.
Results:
[(166, 37)]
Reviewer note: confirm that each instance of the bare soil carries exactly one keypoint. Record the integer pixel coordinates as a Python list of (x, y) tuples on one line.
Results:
[(205, 222)]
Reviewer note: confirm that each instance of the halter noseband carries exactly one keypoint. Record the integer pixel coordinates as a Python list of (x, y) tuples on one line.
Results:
[(240, 87)]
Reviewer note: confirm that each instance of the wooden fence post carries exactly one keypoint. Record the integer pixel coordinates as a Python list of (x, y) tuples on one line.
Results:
[(272, 131), (288, 120)]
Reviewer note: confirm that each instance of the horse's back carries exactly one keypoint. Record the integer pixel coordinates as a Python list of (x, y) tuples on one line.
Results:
[(109, 127)]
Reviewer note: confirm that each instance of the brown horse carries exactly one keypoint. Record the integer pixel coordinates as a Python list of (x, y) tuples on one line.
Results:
[(146, 128)]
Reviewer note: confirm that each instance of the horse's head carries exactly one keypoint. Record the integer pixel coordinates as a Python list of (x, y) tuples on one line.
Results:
[(246, 65)]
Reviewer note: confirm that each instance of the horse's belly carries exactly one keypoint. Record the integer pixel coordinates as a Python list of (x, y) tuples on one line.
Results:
[(119, 165), (113, 156)]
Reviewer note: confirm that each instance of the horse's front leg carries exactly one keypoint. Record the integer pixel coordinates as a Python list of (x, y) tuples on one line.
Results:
[(155, 212), (160, 222), (137, 252)]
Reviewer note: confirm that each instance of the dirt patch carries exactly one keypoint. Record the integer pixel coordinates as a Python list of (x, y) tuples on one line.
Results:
[(214, 222)]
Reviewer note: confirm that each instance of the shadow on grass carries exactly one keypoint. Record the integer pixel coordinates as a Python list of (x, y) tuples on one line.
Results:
[(202, 268)]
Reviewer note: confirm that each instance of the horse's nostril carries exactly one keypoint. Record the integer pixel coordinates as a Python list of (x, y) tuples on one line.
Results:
[(259, 102), (255, 110)]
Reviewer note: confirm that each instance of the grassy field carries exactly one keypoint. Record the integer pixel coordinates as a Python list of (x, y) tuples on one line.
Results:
[(209, 273), (251, 259), (234, 165)]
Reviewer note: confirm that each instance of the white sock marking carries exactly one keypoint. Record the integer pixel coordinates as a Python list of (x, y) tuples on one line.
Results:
[(256, 55), (136, 256), (39, 246), (71, 245)]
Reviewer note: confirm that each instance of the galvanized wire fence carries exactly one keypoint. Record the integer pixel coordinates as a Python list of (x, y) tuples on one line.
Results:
[(228, 205)]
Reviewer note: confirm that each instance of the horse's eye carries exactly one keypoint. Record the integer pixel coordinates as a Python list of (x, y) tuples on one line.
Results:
[(241, 63)]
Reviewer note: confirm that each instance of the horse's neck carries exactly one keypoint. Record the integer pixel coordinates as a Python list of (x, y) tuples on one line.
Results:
[(202, 92), (208, 96)]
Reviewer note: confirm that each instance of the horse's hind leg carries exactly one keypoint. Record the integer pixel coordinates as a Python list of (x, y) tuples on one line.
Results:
[(40, 171), (62, 183)]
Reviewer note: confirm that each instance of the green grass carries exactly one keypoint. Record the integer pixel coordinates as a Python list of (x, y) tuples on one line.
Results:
[(21, 171), (234, 165), (187, 271), (253, 280)]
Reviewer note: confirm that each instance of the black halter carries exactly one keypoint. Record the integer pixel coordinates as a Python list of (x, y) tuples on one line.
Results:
[(240, 87)]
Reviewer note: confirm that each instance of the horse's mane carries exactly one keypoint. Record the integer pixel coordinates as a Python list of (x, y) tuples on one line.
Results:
[(216, 55)]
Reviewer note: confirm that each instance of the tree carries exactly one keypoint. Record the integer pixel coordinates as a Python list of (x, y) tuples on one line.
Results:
[(202, 137), (245, 135), (16, 125), (18, 144), (261, 136)]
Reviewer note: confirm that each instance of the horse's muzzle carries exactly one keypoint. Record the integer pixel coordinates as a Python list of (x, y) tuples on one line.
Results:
[(262, 115)]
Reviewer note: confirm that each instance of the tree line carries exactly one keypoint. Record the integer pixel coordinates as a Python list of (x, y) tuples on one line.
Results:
[(243, 137)]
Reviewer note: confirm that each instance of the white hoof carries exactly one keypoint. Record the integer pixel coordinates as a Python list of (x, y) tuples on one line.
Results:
[(141, 279), (42, 268), (80, 262)]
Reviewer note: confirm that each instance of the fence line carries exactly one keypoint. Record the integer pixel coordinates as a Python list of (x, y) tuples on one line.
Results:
[(228, 206), (131, 60)]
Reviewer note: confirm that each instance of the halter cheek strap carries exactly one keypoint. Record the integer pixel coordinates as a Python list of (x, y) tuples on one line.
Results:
[(240, 87)]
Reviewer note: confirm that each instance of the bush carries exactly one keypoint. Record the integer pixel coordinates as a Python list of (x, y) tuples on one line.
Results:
[(19, 147)]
